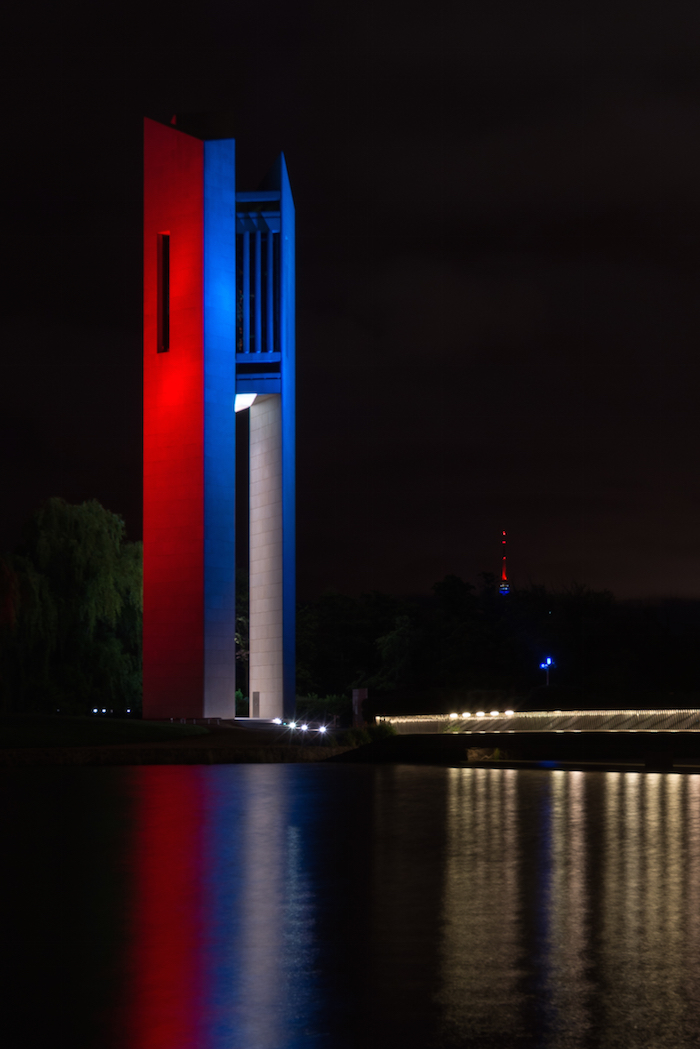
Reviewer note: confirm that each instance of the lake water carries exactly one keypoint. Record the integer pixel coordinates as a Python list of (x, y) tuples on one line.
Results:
[(290, 906)]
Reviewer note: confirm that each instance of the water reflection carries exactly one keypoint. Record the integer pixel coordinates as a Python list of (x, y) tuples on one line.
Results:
[(479, 944), (222, 941), (281, 907), (570, 909), (166, 980), (567, 985), (649, 959), (272, 965)]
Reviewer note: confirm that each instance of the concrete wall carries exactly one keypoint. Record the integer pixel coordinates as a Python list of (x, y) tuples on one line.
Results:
[(266, 633)]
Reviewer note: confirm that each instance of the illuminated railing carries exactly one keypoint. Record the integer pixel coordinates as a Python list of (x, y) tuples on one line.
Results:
[(687, 720)]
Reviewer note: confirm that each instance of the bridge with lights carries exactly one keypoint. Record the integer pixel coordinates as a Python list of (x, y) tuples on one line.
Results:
[(510, 721), (655, 738)]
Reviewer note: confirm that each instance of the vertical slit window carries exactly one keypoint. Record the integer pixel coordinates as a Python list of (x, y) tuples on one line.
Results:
[(163, 292)]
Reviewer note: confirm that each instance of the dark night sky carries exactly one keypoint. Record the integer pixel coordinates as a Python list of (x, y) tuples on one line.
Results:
[(498, 254)]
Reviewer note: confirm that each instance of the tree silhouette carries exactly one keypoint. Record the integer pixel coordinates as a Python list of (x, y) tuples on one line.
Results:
[(71, 600)]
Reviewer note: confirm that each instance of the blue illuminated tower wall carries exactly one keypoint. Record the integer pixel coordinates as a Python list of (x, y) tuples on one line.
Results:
[(219, 429), (218, 326)]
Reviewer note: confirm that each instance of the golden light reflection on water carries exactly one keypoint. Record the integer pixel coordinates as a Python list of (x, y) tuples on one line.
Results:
[(649, 905), (567, 985), (571, 908), (480, 922)]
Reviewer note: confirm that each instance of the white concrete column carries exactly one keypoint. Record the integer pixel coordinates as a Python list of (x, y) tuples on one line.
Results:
[(266, 556)]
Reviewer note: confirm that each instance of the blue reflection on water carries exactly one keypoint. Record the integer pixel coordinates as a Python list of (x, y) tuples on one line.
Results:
[(259, 955)]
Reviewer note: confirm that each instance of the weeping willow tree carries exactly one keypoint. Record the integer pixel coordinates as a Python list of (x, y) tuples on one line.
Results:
[(71, 613)]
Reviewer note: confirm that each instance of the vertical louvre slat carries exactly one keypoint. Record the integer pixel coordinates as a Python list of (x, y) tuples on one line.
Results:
[(246, 292), (258, 292), (270, 292)]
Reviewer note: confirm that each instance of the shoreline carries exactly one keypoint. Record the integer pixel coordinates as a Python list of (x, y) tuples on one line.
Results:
[(45, 743), (165, 754), (276, 753), (39, 744)]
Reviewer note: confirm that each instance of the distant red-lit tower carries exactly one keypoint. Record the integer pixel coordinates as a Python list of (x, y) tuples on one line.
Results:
[(504, 587)]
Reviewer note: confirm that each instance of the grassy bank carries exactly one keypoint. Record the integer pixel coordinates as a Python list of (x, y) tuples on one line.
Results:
[(39, 740), (38, 730)]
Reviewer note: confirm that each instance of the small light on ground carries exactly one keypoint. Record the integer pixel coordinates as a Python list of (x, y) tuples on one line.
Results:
[(480, 714), (466, 714), (292, 724), (494, 713), (277, 721), (453, 715), (509, 713)]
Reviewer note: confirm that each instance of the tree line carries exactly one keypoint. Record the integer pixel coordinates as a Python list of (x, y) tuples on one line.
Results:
[(462, 644), (71, 621)]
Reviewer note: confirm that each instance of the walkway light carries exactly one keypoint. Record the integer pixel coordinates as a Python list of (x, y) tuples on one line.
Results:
[(494, 713), (453, 715), (292, 724), (481, 713), (466, 714), (509, 713)]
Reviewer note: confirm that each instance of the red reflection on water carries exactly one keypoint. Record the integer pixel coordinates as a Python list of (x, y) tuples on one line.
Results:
[(165, 971)]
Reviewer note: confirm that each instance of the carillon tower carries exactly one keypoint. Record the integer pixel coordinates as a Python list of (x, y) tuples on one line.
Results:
[(218, 338)]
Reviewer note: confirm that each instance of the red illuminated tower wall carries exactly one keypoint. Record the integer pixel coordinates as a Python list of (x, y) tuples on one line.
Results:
[(173, 429)]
